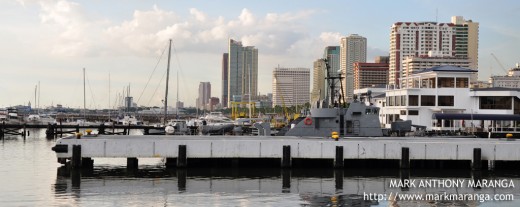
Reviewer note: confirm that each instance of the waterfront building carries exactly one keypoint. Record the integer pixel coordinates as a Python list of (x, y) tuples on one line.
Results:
[(412, 64), (353, 48), (444, 91), (242, 71), (291, 86), (511, 80), (417, 39), (179, 104), (370, 74), (318, 81), (466, 40), (225, 65), (204, 94), (213, 103)]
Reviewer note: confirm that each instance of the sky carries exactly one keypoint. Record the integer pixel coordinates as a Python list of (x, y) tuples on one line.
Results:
[(124, 42)]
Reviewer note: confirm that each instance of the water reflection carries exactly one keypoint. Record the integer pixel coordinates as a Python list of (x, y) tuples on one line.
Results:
[(232, 186)]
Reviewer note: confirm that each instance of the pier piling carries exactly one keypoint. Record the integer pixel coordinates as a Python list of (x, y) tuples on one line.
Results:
[(338, 162), (477, 159), (132, 163), (405, 158), (182, 158), (76, 157), (286, 159)]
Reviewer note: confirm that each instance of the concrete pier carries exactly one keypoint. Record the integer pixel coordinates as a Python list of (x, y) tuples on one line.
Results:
[(404, 150)]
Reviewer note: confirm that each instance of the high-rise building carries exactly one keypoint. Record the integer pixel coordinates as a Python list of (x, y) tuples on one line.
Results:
[(291, 86), (353, 48), (242, 71), (417, 39), (370, 74), (318, 81), (204, 94), (225, 66), (466, 41), (332, 55)]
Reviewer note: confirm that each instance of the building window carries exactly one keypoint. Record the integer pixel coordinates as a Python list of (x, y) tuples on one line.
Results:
[(427, 100), (403, 112), (495, 102), (446, 83), (413, 112), (413, 100), (462, 82), (445, 101)]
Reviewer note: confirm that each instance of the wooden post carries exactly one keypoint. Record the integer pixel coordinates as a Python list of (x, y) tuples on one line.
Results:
[(181, 179), (182, 158), (286, 159), (477, 159), (76, 156), (405, 158), (338, 162), (338, 179)]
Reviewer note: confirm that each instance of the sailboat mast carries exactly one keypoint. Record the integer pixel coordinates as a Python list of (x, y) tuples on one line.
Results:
[(177, 102), (109, 108), (167, 80), (35, 90), (39, 89), (84, 96)]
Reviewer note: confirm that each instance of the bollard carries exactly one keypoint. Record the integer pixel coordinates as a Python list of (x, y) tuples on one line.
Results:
[(477, 159), (338, 162), (405, 158), (182, 158), (286, 159)]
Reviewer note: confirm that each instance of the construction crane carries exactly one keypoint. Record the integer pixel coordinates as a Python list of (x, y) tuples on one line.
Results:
[(499, 63)]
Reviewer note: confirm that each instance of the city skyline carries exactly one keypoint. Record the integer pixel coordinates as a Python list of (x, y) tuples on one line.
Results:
[(51, 41)]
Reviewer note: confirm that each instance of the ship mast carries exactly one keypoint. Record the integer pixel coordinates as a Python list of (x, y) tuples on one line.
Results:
[(167, 78)]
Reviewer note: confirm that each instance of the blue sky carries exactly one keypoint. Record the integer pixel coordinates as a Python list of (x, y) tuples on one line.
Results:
[(51, 41)]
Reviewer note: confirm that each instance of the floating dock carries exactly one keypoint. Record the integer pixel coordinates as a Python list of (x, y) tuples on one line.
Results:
[(182, 151)]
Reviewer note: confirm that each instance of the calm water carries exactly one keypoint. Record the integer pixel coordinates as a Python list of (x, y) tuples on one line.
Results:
[(30, 176)]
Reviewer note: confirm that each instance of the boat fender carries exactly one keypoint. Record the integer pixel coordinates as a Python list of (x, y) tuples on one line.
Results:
[(60, 148), (307, 121)]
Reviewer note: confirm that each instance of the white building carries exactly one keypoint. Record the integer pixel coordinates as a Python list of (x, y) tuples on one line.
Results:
[(412, 64), (353, 48), (417, 39), (511, 80), (291, 86), (440, 98)]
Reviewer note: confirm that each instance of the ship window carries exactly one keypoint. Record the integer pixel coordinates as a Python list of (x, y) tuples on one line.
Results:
[(427, 100), (445, 101), (413, 100), (413, 112)]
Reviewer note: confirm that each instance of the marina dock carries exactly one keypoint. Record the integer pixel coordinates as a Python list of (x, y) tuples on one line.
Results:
[(292, 151)]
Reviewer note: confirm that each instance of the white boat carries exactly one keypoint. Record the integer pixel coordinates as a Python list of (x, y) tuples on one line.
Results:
[(176, 127), (40, 119), (129, 120), (216, 123)]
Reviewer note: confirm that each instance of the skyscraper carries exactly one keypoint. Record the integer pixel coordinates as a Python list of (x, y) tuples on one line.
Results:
[(318, 81), (204, 94), (466, 41), (332, 55), (417, 39), (242, 71), (353, 48), (291, 86), (225, 66)]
